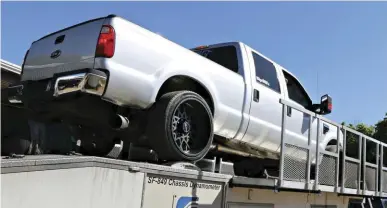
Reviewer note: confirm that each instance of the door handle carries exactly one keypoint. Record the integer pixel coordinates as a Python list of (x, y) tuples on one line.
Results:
[(256, 95), (289, 111), (325, 128), (59, 39)]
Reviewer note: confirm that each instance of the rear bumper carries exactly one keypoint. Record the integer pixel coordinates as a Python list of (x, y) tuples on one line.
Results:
[(88, 83), (72, 98)]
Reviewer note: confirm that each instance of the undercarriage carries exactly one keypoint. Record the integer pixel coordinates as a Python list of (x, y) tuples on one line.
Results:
[(65, 127)]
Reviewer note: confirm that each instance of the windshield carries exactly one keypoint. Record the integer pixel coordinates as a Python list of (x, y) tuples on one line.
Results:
[(225, 56)]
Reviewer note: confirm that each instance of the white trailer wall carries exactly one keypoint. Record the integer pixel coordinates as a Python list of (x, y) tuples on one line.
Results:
[(89, 187), (47, 181)]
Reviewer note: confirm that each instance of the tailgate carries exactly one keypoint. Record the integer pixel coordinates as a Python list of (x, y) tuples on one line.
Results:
[(66, 50)]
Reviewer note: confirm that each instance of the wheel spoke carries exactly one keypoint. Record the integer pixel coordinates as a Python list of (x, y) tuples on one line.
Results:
[(178, 138), (179, 113), (175, 121), (184, 128), (183, 147), (184, 113), (186, 140)]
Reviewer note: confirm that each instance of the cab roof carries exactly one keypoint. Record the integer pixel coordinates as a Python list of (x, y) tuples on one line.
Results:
[(259, 53)]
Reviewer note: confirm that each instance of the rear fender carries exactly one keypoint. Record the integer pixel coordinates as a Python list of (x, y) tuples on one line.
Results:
[(201, 79), (331, 137)]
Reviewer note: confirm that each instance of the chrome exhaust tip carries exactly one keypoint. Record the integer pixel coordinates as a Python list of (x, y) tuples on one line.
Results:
[(84, 82), (120, 122)]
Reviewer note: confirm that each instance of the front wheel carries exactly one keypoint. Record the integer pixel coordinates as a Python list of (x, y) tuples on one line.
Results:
[(180, 127)]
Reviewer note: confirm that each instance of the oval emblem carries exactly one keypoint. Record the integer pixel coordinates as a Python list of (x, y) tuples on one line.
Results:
[(55, 54)]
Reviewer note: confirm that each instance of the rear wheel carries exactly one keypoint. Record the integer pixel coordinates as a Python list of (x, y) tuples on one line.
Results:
[(180, 126)]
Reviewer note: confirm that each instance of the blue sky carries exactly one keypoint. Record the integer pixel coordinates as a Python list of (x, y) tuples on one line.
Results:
[(345, 43)]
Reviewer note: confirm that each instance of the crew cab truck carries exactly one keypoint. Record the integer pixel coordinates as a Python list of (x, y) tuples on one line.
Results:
[(113, 80)]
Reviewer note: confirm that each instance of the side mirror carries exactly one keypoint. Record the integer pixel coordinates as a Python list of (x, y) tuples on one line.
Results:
[(325, 105)]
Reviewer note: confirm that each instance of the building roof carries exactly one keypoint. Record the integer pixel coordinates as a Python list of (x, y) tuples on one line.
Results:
[(8, 66)]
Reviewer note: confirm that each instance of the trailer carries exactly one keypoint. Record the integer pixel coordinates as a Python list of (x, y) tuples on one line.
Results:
[(81, 181)]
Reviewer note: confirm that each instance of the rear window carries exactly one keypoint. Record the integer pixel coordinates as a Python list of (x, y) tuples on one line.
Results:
[(225, 56), (266, 73)]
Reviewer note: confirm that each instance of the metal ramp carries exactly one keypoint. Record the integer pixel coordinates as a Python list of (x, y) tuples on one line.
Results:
[(352, 172), (360, 170)]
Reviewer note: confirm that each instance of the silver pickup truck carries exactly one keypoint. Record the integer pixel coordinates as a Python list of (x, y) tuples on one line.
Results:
[(114, 80)]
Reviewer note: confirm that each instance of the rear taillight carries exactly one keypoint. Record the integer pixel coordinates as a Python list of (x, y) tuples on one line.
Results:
[(106, 42)]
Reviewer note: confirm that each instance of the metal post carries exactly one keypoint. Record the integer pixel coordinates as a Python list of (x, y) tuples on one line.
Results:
[(360, 164), (381, 170), (308, 163), (282, 153), (369, 203), (377, 170), (364, 162), (317, 167), (343, 161), (337, 159)]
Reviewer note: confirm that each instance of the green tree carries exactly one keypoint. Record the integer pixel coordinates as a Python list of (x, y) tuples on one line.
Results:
[(365, 129), (381, 130), (353, 140), (381, 135), (377, 131)]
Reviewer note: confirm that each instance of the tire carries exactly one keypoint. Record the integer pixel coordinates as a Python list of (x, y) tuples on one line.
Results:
[(180, 127)]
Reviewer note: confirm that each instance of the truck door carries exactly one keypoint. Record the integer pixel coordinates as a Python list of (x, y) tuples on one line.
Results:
[(264, 128), (297, 123)]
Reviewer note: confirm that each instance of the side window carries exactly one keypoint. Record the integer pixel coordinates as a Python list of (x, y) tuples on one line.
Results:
[(296, 92), (266, 73), (226, 56)]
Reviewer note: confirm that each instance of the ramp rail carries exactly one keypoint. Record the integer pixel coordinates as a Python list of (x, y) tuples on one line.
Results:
[(356, 167)]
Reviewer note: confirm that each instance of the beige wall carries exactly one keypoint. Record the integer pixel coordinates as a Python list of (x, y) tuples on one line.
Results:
[(283, 199)]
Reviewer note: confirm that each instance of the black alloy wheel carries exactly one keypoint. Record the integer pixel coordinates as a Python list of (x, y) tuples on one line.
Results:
[(181, 127)]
